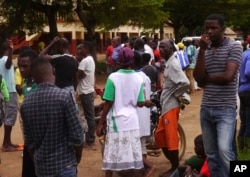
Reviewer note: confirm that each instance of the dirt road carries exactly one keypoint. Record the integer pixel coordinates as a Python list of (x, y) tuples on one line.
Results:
[(90, 166)]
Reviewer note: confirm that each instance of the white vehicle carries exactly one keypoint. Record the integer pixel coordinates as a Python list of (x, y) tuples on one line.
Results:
[(190, 38)]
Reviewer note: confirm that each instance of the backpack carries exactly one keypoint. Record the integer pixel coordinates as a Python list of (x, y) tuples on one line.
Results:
[(2, 104)]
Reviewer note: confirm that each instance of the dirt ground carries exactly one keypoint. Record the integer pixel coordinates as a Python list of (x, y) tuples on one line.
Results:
[(91, 163)]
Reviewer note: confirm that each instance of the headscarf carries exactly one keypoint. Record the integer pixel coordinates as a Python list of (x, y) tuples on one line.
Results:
[(126, 57)]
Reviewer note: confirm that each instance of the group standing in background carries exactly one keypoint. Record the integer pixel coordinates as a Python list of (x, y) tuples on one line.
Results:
[(49, 84)]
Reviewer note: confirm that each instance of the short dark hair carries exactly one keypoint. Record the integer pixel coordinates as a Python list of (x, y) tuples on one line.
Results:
[(131, 41), (40, 67), (88, 45), (198, 139), (139, 44), (217, 17), (146, 57), (32, 54), (63, 42), (155, 41), (172, 45), (23, 48), (137, 59), (145, 39)]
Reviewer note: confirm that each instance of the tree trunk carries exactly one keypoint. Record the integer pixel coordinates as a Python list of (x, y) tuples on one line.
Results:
[(16, 21), (89, 23), (51, 15), (177, 34), (91, 37), (161, 31)]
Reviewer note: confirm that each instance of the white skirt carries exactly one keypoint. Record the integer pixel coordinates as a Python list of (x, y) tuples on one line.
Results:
[(122, 151)]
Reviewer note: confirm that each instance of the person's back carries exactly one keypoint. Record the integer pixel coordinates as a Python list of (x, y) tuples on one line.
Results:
[(51, 125), (120, 115), (65, 70), (65, 64), (125, 103)]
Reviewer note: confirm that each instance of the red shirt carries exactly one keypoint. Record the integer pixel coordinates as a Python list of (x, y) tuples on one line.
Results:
[(204, 169), (157, 55), (109, 52)]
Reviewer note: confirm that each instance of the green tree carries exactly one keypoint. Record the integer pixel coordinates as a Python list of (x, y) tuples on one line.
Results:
[(109, 14), (12, 16)]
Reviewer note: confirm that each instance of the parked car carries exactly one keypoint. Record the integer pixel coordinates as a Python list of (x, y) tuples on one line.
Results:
[(190, 38)]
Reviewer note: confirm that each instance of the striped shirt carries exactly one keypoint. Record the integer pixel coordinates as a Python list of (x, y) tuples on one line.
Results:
[(215, 62), (52, 128)]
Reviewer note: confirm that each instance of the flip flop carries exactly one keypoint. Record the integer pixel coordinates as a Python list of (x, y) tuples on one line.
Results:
[(18, 145), (11, 149)]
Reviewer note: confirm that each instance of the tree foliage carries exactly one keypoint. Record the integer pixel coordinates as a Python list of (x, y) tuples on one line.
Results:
[(185, 16)]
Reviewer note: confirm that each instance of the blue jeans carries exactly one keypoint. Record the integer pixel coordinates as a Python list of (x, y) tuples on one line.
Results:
[(245, 116), (69, 172), (218, 130)]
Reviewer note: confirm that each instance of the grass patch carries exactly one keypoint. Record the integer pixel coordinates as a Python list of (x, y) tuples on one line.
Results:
[(244, 155), (100, 67)]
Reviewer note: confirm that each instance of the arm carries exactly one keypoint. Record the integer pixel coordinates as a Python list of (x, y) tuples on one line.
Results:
[(9, 63), (78, 152), (180, 80), (75, 129), (147, 103), (82, 67), (225, 77), (231, 68), (19, 81), (74, 77), (80, 74), (106, 108), (44, 52), (199, 71)]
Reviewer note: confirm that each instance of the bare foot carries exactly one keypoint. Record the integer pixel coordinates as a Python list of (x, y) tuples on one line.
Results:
[(149, 171)]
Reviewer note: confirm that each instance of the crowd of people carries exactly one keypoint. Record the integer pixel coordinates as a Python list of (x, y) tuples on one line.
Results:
[(55, 96)]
